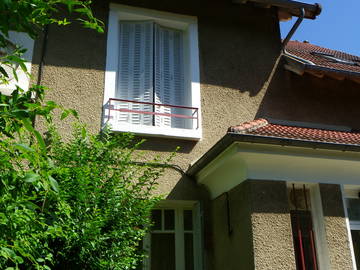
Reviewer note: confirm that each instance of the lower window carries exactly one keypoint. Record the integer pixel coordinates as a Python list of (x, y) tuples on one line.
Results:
[(353, 208), (174, 242), (302, 228)]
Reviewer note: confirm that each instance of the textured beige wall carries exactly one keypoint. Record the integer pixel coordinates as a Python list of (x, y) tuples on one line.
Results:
[(335, 227), (238, 47), (261, 236), (271, 225), (232, 233)]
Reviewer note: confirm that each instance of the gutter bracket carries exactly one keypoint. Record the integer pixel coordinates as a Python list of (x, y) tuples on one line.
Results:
[(293, 29)]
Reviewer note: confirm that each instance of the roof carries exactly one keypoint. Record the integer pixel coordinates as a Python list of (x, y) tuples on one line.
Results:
[(262, 127), (261, 131), (287, 8), (306, 57)]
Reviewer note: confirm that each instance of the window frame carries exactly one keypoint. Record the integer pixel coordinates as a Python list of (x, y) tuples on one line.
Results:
[(317, 215), (179, 207), (188, 24), (350, 192)]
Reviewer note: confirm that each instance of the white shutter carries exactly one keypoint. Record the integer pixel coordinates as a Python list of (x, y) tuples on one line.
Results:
[(169, 75), (135, 76)]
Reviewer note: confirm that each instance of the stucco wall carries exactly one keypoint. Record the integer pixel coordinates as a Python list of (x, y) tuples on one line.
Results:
[(260, 227), (335, 227), (271, 225), (232, 230), (238, 47)]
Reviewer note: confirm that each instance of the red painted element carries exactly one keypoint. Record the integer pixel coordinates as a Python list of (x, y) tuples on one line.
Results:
[(196, 110), (152, 103), (302, 256), (313, 252), (311, 233)]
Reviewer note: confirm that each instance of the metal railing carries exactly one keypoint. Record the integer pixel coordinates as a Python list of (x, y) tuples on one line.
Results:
[(194, 115)]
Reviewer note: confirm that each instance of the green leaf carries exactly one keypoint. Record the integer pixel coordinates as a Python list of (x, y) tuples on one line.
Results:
[(3, 71), (15, 74), (23, 147), (18, 259), (29, 127), (74, 113), (7, 253), (31, 177), (64, 114), (53, 183), (3, 219)]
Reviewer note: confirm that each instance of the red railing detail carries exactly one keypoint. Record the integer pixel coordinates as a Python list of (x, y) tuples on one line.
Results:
[(196, 110)]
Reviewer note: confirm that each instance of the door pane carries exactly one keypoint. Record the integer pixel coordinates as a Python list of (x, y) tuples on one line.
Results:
[(353, 209), (156, 219), (188, 223), (169, 217), (355, 235), (189, 251), (303, 237), (162, 251)]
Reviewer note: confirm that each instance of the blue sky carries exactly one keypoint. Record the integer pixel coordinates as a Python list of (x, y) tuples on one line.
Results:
[(337, 27)]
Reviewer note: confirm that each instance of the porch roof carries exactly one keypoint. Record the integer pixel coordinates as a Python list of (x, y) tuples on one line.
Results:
[(261, 127), (262, 132)]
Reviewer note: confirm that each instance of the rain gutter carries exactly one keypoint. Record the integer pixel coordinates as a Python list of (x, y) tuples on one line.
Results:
[(291, 7)]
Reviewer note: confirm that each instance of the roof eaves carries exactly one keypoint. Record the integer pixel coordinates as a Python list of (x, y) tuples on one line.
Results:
[(299, 65), (347, 73), (292, 8), (230, 138)]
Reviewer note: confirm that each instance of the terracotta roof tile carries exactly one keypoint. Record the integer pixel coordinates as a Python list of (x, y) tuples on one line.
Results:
[(311, 52), (262, 127)]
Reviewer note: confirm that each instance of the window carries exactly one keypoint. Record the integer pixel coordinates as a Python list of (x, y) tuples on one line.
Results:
[(302, 228), (152, 74), (174, 243), (21, 39), (353, 211)]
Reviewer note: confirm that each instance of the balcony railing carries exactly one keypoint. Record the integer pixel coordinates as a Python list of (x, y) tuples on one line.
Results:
[(112, 108)]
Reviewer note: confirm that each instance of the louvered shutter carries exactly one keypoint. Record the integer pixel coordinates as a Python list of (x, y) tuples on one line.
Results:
[(135, 77), (169, 75)]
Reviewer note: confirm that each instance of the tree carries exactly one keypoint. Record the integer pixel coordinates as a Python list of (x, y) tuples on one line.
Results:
[(79, 204)]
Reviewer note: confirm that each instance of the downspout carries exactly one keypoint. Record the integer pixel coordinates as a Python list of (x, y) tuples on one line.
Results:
[(293, 29), (41, 64), (42, 57)]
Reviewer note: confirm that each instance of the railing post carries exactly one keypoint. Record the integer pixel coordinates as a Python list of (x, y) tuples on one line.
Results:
[(109, 110)]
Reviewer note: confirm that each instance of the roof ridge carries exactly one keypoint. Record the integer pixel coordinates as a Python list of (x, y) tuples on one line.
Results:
[(249, 126)]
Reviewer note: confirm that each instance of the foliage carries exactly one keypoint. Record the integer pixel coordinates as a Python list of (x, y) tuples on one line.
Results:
[(30, 16), (75, 204)]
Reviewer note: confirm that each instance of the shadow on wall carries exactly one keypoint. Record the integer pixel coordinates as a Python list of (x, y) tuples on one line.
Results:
[(167, 145), (310, 99), (238, 43)]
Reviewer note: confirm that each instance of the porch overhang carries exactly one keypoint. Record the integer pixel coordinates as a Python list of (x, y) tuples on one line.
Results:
[(238, 157)]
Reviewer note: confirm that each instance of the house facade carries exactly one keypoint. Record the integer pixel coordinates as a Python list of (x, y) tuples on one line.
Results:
[(268, 194)]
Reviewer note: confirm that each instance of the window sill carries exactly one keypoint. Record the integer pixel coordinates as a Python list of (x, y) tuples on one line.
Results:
[(175, 133)]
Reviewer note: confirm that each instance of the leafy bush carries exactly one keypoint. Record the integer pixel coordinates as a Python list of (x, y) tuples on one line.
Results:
[(75, 204)]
